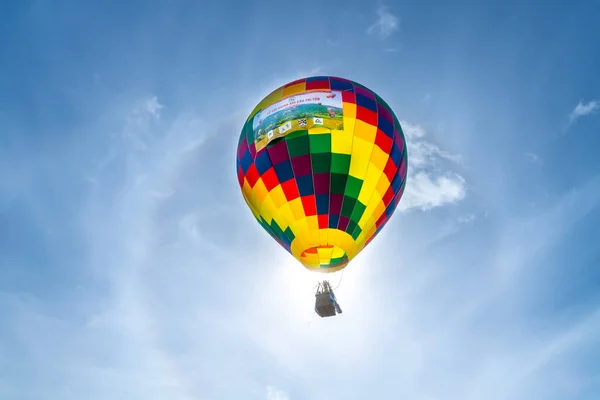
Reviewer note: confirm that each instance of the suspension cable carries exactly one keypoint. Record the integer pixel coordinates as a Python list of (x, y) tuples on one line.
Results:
[(341, 277)]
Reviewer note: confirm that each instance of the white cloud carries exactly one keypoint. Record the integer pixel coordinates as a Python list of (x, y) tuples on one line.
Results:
[(412, 131), (582, 110), (465, 219), (152, 106), (274, 393), (534, 158), (430, 184), (386, 23), (143, 114), (426, 191), (124, 231)]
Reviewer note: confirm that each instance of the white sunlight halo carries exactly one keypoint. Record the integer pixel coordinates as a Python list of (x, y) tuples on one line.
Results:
[(280, 316)]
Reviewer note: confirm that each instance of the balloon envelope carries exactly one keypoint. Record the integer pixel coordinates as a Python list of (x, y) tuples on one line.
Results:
[(322, 165)]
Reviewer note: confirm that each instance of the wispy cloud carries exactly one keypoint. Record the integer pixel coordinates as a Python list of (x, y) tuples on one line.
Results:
[(386, 24), (467, 218), (430, 183), (534, 158), (583, 109), (274, 393), (132, 237)]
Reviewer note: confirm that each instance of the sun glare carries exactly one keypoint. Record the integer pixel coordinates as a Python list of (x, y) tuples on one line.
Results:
[(298, 286)]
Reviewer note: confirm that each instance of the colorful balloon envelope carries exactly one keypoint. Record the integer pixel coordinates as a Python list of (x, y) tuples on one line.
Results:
[(322, 165)]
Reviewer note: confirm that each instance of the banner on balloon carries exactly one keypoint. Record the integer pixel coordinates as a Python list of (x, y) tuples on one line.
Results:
[(300, 112)]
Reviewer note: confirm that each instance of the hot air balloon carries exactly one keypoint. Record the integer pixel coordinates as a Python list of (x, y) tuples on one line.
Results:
[(324, 178)]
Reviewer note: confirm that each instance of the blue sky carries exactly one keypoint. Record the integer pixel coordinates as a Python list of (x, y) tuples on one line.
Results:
[(130, 267)]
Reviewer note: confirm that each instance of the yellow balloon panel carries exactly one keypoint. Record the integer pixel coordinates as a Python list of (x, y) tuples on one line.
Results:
[(322, 164)]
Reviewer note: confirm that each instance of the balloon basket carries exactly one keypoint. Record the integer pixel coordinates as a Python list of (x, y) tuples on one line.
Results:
[(326, 304)]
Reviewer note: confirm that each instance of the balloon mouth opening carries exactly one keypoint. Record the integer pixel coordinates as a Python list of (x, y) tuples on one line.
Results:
[(324, 257)]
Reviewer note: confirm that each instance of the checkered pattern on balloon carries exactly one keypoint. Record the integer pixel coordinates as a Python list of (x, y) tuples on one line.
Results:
[(322, 165)]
